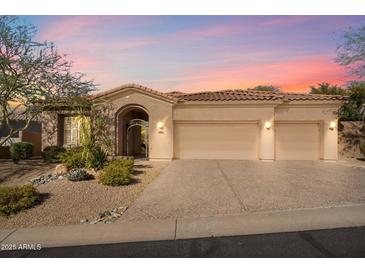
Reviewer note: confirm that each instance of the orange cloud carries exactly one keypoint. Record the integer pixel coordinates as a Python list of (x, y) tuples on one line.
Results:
[(295, 75)]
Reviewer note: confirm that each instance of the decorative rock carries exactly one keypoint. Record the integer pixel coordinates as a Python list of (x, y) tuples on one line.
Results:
[(44, 179), (94, 222), (108, 216), (60, 169), (94, 172)]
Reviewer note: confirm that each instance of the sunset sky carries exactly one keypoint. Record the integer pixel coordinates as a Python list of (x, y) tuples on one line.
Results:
[(195, 53)]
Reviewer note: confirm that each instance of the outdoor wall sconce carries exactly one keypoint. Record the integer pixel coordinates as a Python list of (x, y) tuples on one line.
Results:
[(268, 125), (332, 125), (160, 125)]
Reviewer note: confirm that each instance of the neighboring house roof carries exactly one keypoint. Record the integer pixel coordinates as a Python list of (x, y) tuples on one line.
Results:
[(224, 95), (21, 115)]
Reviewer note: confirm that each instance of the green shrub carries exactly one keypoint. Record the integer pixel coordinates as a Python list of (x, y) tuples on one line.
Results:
[(81, 157), (362, 148), (116, 173), (72, 158), (95, 158), (128, 162), (15, 199), (51, 154), (79, 175), (21, 150)]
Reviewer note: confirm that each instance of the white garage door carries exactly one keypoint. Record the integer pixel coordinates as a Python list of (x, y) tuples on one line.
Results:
[(296, 141), (216, 141)]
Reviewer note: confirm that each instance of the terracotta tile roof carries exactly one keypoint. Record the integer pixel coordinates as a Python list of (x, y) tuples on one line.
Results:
[(226, 95), (311, 97), (251, 95), (133, 85)]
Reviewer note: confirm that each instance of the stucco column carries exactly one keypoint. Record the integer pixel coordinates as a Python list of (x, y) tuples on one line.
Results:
[(267, 140), (329, 140)]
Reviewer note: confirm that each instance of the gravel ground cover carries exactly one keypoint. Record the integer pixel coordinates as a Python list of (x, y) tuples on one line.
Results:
[(66, 202), (19, 174)]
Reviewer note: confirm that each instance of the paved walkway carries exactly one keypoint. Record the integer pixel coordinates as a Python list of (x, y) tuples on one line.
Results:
[(197, 188), (188, 228)]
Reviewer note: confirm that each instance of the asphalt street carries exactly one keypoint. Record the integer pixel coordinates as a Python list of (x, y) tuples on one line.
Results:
[(330, 243)]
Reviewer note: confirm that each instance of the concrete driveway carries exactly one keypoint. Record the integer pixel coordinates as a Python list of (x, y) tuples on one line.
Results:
[(217, 187)]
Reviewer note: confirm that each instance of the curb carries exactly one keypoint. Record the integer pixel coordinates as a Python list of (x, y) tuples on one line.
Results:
[(188, 228)]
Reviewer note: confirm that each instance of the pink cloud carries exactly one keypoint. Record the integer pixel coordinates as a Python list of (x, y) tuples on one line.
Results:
[(287, 20), (295, 75)]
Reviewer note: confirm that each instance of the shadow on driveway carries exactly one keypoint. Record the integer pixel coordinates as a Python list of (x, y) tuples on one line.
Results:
[(349, 242)]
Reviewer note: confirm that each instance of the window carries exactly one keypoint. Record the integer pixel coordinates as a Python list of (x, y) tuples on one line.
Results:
[(71, 136), (75, 129)]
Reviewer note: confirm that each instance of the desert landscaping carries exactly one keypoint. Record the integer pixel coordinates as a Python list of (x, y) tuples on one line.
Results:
[(65, 202)]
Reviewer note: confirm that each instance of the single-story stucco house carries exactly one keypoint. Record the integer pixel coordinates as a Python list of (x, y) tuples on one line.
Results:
[(228, 124)]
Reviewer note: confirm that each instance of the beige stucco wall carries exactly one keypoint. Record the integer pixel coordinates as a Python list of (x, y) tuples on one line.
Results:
[(49, 129), (160, 140)]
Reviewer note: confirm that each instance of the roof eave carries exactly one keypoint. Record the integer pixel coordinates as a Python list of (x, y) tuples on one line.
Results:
[(153, 93)]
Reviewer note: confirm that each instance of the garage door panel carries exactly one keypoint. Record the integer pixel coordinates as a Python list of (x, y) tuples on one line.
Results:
[(296, 141), (216, 141)]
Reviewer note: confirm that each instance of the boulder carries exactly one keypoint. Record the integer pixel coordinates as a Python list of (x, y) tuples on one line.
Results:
[(60, 169)]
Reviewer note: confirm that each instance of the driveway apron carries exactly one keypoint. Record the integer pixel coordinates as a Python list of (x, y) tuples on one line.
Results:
[(186, 188), (193, 188)]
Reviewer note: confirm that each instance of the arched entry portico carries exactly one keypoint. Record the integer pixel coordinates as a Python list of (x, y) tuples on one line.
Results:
[(132, 123)]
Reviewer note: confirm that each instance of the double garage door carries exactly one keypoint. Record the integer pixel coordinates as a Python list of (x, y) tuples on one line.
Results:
[(212, 140), (216, 141)]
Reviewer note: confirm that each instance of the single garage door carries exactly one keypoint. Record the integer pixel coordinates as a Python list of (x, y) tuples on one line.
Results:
[(297, 141), (216, 140)]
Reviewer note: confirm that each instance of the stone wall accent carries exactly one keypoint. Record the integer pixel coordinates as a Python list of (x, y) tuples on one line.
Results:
[(350, 136)]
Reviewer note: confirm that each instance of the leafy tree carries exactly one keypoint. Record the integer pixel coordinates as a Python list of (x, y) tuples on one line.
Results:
[(354, 108), (266, 88), (351, 51), (327, 88), (31, 71)]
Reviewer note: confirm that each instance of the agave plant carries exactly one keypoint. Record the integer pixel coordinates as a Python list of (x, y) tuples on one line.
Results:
[(79, 175)]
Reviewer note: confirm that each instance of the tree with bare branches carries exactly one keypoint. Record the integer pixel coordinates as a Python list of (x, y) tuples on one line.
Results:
[(30, 72)]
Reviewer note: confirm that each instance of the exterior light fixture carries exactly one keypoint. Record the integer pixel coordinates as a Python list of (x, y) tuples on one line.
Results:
[(268, 125), (332, 125), (160, 125)]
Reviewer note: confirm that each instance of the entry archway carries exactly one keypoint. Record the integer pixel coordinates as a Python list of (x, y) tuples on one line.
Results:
[(132, 131)]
